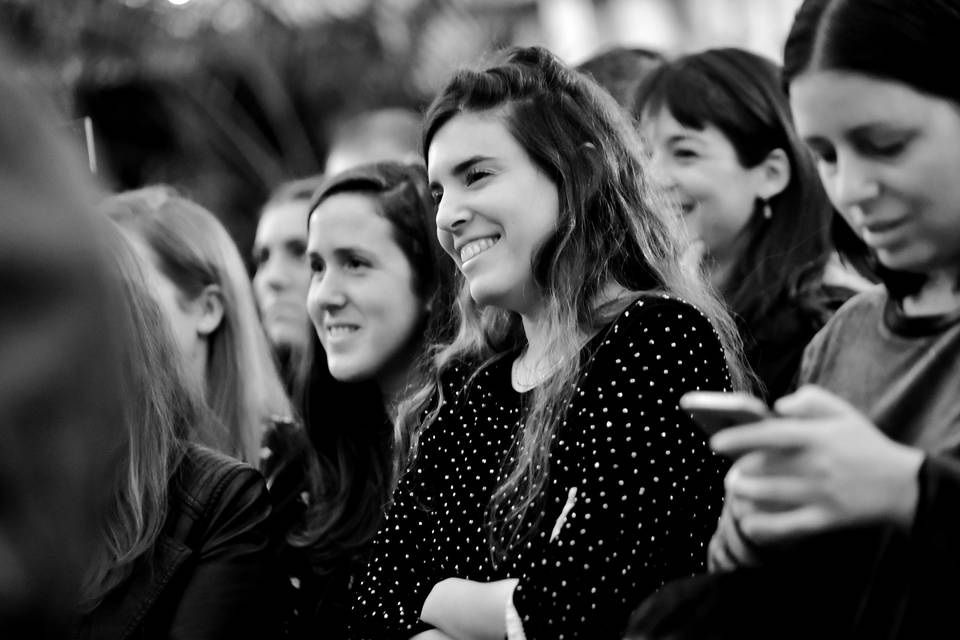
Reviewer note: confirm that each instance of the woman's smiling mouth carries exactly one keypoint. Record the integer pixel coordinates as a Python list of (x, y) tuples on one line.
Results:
[(475, 247), (337, 331)]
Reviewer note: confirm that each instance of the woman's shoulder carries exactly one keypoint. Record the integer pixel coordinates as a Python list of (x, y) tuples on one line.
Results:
[(866, 304), (465, 371), (201, 464), (658, 313), (663, 333), (858, 318), (207, 480)]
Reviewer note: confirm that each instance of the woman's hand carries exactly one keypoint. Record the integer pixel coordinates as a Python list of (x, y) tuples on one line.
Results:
[(820, 465), (729, 548)]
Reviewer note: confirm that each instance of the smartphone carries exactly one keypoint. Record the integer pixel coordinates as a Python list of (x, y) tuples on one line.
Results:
[(717, 410)]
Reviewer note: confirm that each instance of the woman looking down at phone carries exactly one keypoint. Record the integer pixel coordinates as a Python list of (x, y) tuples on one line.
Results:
[(887, 138), (848, 501)]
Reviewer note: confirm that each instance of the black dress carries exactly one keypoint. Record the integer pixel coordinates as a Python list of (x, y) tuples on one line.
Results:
[(644, 487)]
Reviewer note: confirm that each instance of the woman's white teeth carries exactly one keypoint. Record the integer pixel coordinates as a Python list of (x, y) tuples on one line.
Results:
[(472, 249), (341, 329)]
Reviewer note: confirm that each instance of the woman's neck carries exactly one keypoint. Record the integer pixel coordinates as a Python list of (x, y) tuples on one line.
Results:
[(719, 271), (538, 360), (536, 329), (394, 388), (939, 295), (535, 363), (197, 363)]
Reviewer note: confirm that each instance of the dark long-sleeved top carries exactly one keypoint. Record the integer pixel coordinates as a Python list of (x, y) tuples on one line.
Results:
[(212, 573), (632, 497)]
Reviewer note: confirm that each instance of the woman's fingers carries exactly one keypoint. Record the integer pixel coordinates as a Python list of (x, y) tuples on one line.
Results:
[(772, 491), (718, 558), (794, 429), (811, 401), (766, 527), (769, 434)]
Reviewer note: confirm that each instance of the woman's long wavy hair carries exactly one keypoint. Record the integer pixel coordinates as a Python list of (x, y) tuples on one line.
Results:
[(160, 413), (613, 229), (905, 41), (739, 93), (348, 422), (243, 387)]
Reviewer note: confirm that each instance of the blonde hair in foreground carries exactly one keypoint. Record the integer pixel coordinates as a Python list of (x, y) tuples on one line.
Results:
[(159, 413)]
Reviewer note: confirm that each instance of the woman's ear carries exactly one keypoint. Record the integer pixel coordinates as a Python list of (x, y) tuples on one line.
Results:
[(209, 309), (773, 174)]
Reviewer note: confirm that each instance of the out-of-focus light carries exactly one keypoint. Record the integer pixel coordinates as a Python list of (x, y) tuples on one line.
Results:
[(178, 2)]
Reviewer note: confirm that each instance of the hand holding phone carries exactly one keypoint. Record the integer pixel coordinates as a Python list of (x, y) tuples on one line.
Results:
[(717, 410)]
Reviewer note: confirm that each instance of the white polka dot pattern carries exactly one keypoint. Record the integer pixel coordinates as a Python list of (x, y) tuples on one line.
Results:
[(641, 488)]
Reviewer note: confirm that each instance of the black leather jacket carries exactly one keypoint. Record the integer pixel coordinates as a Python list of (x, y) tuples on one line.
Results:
[(212, 573)]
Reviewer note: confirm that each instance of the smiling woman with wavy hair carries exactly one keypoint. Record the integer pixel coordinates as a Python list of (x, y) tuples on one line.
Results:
[(554, 476)]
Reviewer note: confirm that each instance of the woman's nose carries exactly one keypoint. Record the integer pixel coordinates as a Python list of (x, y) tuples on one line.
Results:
[(853, 182), (660, 170), (452, 214), (326, 292), (271, 275)]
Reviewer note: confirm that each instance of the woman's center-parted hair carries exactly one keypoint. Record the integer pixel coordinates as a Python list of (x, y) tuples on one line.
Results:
[(348, 421), (402, 197), (902, 41), (614, 229), (905, 41)]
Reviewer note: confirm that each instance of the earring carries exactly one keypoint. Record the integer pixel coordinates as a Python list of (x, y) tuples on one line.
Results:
[(767, 210)]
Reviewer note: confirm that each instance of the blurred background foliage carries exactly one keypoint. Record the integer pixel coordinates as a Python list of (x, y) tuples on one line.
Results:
[(227, 98)]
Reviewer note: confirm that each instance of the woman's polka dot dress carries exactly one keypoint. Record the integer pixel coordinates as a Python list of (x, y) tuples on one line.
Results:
[(637, 486)]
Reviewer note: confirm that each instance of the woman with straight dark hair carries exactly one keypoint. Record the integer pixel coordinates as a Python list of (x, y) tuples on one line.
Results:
[(553, 475), (379, 289), (841, 511), (722, 138)]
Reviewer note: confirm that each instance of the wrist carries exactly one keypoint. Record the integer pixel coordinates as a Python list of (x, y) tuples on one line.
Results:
[(904, 488), (468, 609)]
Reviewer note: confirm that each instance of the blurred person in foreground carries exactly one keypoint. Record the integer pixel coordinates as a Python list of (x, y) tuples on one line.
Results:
[(60, 409)]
